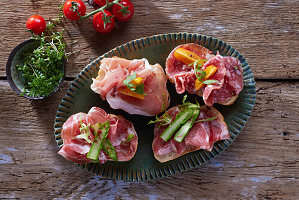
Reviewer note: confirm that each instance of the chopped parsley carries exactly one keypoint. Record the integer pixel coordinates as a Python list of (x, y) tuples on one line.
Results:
[(129, 138), (210, 81), (200, 74), (206, 120), (139, 89), (164, 120)]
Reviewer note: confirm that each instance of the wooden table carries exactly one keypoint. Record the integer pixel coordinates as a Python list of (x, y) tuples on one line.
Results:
[(261, 164)]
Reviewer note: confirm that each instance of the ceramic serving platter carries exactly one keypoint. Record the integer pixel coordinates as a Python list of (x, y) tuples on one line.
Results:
[(144, 167)]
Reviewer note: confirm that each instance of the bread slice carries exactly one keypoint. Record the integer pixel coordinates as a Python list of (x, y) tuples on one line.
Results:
[(230, 101), (189, 149)]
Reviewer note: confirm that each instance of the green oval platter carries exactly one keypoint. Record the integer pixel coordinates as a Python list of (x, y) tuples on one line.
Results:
[(144, 167)]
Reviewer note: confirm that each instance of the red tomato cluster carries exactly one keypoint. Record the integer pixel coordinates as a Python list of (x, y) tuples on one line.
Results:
[(74, 10), (103, 21)]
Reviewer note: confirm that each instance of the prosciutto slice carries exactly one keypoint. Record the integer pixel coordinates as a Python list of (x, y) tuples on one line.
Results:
[(110, 78), (182, 75), (230, 80), (76, 149), (202, 135)]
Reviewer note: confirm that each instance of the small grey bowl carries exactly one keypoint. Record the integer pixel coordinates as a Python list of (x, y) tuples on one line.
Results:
[(14, 77)]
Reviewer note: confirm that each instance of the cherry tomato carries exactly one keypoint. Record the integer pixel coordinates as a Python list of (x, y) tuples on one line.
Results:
[(103, 23), (37, 24), (123, 14), (101, 2), (70, 13)]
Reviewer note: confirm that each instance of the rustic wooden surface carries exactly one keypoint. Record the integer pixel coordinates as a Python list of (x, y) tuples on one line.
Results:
[(261, 164)]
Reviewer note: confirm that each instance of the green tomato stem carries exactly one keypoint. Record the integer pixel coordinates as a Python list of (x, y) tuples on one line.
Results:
[(108, 5), (120, 5)]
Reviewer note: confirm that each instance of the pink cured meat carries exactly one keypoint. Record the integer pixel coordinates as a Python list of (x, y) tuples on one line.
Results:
[(181, 74), (76, 150), (229, 75), (110, 78), (230, 80), (201, 136)]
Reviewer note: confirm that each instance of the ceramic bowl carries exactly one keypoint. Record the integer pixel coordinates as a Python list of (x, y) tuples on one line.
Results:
[(14, 77)]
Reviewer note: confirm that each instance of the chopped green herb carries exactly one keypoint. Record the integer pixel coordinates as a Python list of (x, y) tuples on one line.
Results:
[(129, 138), (184, 99), (164, 120), (210, 81), (200, 74), (43, 67), (85, 132), (139, 89), (196, 63), (206, 120), (187, 104)]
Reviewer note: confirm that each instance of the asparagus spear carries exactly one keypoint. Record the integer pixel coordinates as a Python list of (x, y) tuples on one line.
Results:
[(181, 134), (180, 119), (97, 144), (109, 149)]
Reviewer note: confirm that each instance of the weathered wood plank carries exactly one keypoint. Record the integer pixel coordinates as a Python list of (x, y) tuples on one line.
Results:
[(261, 164), (265, 32)]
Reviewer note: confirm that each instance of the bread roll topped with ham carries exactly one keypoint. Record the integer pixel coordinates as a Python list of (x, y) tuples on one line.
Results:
[(186, 128), (194, 69), (98, 137), (134, 86)]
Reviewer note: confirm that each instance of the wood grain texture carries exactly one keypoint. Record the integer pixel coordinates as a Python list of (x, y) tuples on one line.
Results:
[(261, 164), (265, 32)]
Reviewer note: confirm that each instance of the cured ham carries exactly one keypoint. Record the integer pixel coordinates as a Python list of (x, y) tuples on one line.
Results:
[(110, 79), (228, 77), (202, 135), (230, 80), (76, 148)]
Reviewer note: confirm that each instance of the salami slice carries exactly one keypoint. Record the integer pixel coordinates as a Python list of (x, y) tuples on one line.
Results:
[(229, 76), (181, 74), (76, 149), (230, 80)]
